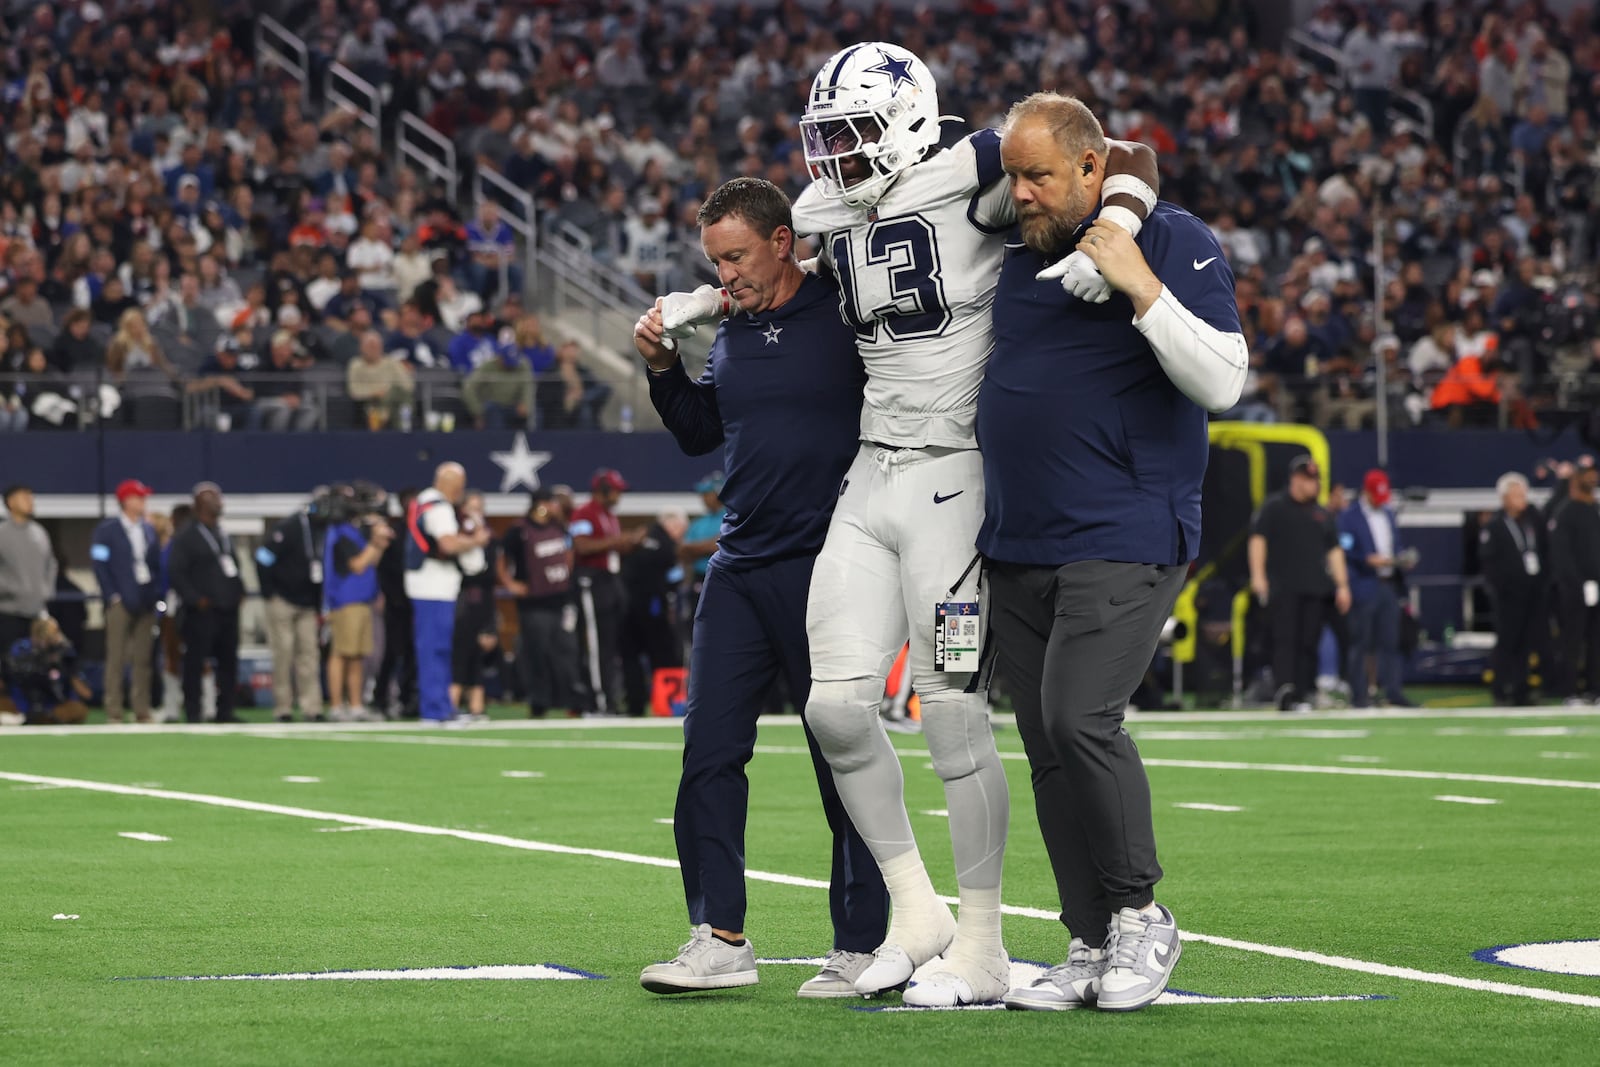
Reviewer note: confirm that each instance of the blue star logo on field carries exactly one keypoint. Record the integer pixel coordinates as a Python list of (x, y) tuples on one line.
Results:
[(898, 70), (1551, 957), (771, 333), (520, 466)]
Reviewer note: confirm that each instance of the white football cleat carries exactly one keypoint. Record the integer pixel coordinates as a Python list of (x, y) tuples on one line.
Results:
[(961, 978), (908, 946)]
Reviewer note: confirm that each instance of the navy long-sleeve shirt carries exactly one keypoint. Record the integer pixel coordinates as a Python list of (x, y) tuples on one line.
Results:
[(781, 394)]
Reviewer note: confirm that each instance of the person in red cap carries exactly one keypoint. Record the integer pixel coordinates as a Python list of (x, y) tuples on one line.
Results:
[(127, 564), (1370, 537), (599, 543)]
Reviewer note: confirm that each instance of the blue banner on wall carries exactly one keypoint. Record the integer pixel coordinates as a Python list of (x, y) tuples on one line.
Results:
[(86, 463)]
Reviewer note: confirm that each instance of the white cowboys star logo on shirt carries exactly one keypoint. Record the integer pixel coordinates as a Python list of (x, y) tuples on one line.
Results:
[(771, 333)]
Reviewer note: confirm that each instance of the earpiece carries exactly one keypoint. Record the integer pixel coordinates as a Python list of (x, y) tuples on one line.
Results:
[(1088, 166)]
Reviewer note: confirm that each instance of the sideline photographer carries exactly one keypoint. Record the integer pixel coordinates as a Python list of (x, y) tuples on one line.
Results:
[(289, 566), (42, 671), (357, 537)]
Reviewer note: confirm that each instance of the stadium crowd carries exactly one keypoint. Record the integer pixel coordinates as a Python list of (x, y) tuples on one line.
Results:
[(176, 223)]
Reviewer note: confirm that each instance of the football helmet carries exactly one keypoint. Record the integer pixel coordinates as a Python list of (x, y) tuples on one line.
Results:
[(874, 101)]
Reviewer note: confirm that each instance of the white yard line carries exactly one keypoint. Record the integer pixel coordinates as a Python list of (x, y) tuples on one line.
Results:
[(1339, 962), (1450, 798), (1199, 806), (1371, 772)]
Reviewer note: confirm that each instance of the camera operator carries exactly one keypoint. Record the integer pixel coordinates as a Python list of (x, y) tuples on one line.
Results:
[(1574, 531), (357, 538), (1511, 553), (290, 569), (42, 670)]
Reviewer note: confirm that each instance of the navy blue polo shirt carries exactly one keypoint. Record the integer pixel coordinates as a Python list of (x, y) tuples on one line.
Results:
[(1089, 451), (781, 393)]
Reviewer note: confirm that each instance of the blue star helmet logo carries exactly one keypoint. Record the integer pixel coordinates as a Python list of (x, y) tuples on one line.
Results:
[(899, 70)]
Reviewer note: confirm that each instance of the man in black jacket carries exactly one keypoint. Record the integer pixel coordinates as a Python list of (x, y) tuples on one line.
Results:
[(1511, 554), (398, 667), (651, 574), (1574, 532), (204, 570), (289, 563)]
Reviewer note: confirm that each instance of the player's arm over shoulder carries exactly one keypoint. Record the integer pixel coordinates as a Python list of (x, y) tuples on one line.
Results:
[(1133, 178)]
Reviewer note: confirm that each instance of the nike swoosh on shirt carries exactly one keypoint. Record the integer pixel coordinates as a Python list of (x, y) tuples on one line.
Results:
[(1202, 264), (937, 499)]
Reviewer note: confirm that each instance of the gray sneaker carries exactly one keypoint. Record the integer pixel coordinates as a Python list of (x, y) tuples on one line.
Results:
[(703, 963), (1140, 953), (1069, 985), (837, 977)]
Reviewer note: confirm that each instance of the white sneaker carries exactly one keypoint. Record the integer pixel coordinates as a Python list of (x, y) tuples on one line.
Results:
[(1141, 953), (907, 947), (838, 976), (705, 962), (1069, 985), (962, 977)]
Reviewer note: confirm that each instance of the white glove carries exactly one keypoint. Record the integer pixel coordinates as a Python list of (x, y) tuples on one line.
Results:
[(682, 312), (1080, 277), (1591, 594)]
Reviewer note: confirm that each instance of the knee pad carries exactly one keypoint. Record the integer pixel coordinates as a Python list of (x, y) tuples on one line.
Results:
[(956, 728), (843, 717)]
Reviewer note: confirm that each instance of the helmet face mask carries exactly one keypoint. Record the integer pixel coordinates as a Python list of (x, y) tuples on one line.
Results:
[(873, 112)]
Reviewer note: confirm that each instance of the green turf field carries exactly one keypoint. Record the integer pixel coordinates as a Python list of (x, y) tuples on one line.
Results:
[(524, 844)]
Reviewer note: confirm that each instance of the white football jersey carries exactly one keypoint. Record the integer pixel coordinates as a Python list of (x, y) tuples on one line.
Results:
[(917, 276)]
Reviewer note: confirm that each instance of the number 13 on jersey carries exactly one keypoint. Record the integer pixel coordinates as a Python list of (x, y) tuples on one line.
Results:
[(895, 284)]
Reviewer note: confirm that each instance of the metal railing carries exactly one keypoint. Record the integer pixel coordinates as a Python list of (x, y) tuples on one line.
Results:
[(343, 87), (1403, 103), (418, 142), (277, 46)]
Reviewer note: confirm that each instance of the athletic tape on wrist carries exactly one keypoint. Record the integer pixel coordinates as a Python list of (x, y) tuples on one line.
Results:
[(1122, 217), (1128, 185)]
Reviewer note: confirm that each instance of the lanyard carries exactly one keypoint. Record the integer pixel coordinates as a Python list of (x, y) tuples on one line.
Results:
[(212, 541), (1517, 534), (963, 577)]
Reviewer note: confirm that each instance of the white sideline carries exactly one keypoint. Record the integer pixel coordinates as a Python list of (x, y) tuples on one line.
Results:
[(908, 753), (1339, 962)]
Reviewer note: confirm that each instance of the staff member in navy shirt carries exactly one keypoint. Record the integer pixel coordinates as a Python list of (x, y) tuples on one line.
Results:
[(1092, 422), (127, 564), (781, 394)]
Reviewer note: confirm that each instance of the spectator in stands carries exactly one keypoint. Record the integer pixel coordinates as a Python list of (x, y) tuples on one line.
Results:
[(380, 384), (127, 566), (204, 571), (647, 244), (417, 341), (74, 348), (571, 398), (412, 267), (26, 307), (499, 392), (492, 248), (1472, 391), (372, 258), (281, 399), (477, 345), (531, 345)]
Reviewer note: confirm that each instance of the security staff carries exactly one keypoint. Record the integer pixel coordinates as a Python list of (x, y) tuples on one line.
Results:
[(781, 395), (290, 570), (1296, 562), (1574, 531), (535, 565), (1092, 421), (204, 571), (1512, 557)]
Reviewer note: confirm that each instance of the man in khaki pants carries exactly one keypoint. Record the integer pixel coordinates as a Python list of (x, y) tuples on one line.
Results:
[(127, 560), (289, 565)]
